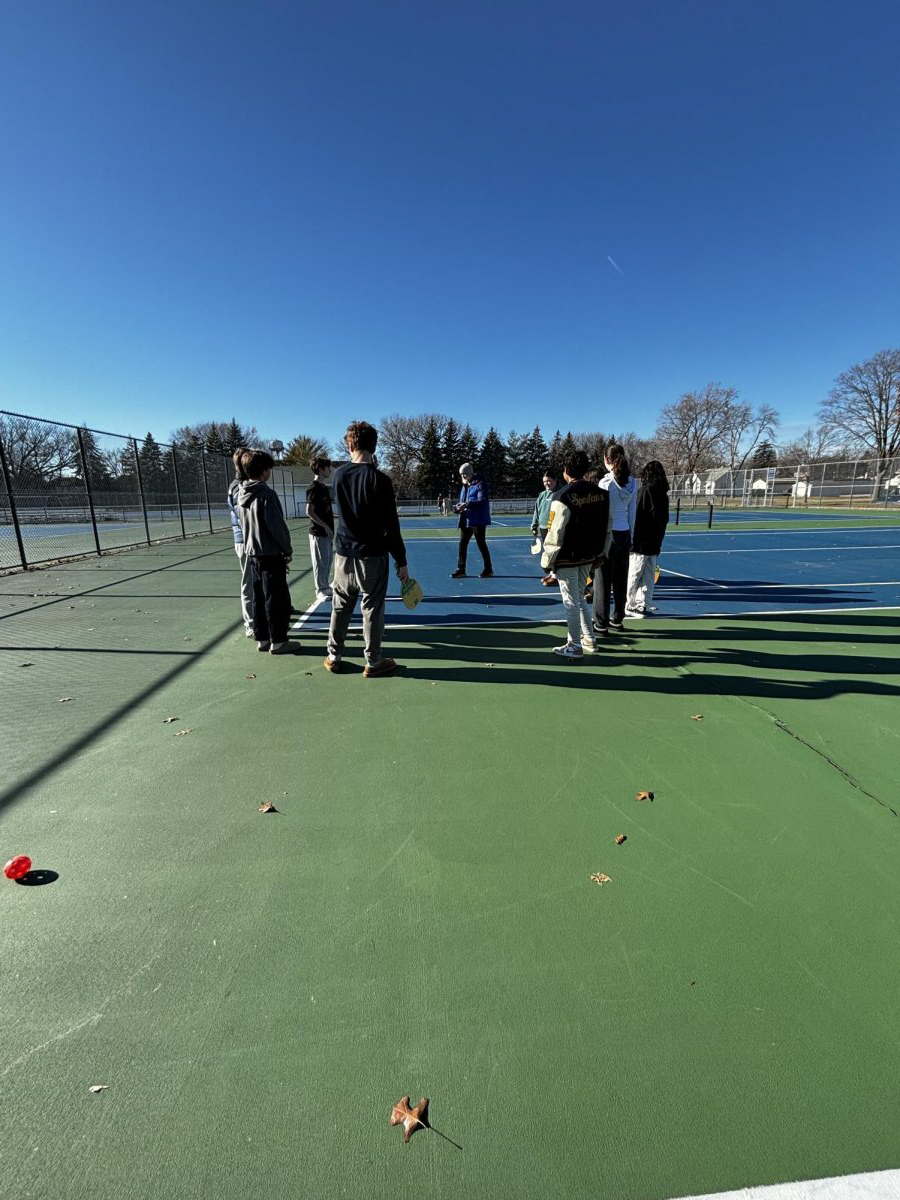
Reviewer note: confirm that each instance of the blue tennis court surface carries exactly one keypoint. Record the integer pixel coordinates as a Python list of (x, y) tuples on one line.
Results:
[(703, 575)]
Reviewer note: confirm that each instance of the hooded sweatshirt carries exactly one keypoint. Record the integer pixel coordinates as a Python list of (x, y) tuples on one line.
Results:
[(622, 501), (262, 520), (233, 512), (652, 518)]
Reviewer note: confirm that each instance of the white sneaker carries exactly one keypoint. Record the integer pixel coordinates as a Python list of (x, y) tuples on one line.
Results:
[(321, 597), (569, 651), (282, 648), (589, 646), (248, 633), (634, 614)]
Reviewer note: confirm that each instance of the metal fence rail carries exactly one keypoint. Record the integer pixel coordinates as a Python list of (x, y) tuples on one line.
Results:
[(67, 491), (855, 483)]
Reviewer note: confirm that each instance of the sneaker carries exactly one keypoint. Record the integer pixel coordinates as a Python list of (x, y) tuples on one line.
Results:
[(262, 647), (459, 573), (569, 651), (589, 646), (332, 664), (634, 614), (385, 667), (321, 597), (248, 633), (284, 647), (617, 625), (487, 575), (652, 608), (550, 581)]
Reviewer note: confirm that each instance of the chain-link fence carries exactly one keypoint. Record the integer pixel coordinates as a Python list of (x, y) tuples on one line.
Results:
[(67, 490), (855, 483)]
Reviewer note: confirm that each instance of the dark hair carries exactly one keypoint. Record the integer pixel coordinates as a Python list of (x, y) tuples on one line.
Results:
[(551, 473), (576, 464), (318, 463), (654, 474), (255, 462), (361, 435), (595, 471), (239, 472), (618, 463)]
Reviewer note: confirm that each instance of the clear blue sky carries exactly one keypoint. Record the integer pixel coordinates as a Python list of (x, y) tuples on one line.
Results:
[(302, 213)]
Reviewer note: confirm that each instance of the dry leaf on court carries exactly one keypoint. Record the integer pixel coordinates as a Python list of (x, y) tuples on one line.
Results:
[(697, 717), (599, 877), (620, 838), (644, 796), (267, 806), (252, 675), (307, 672), (411, 1118), (66, 699), (182, 733), (169, 720), (26, 664), (99, 1087)]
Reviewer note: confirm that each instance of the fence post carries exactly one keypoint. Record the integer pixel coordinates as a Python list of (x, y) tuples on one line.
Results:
[(709, 521), (137, 467), (677, 510), (206, 489), (178, 491), (853, 482), (12, 505), (87, 488)]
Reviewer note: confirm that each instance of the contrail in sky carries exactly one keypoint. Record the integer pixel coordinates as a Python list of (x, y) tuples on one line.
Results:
[(613, 262)]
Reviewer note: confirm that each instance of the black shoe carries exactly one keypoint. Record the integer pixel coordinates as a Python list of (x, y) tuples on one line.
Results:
[(617, 625), (600, 631), (459, 573), (487, 574)]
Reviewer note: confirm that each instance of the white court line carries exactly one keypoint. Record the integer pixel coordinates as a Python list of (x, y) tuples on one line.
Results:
[(304, 617), (775, 613), (695, 578), (873, 1185)]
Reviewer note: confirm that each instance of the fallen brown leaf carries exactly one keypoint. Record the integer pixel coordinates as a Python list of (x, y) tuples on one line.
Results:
[(26, 664), (182, 733), (99, 1087), (252, 675), (169, 720), (644, 796), (267, 806), (411, 1118), (66, 699), (599, 877), (620, 838), (697, 717)]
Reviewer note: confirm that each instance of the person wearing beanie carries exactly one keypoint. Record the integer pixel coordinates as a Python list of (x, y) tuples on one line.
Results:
[(474, 510)]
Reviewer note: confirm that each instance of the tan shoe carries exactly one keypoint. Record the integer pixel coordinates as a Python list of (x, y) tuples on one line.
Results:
[(333, 665), (550, 581), (385, 667)]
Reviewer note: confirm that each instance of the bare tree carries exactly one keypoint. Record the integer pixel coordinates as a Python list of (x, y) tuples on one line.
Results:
[(400, 445), (36, 451), (864, 406), (745, 430), (692, 432), (812, 446)]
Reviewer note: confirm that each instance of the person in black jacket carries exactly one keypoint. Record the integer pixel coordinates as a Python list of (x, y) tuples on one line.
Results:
[(368, 531), (579, 532), (651, 519)]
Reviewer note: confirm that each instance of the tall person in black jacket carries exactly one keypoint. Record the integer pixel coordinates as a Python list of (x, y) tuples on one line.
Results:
[(650, 521), (368, 532)]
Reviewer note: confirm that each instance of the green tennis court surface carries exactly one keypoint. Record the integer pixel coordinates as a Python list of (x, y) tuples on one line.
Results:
[(418, 918)]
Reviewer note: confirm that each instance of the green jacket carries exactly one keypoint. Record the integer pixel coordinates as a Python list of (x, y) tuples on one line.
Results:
[(541, 517)]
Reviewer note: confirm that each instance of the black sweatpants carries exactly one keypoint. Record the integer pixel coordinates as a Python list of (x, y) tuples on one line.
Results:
[(271, 598), (612, 575), (465, 536)]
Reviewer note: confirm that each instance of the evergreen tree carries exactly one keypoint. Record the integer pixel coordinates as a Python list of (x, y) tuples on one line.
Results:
[(765, 456), (151, 462), (450, 459), (519, 473), (468, 445), (567, 447), (128, 467), (94, 462), (492, 460), (215, 442), (430, 474), (538, 458), (556, 451), (234, 436)]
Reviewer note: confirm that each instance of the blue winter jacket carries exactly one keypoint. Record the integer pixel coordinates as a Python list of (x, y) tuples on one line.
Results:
[(477, 501)]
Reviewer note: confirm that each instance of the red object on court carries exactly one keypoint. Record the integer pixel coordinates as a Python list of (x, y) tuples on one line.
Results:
[(17, 867)]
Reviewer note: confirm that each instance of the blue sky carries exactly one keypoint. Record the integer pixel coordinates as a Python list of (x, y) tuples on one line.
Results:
[(305, 213)]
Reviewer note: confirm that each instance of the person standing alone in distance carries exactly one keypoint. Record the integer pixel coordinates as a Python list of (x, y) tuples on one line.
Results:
[(474, 510)]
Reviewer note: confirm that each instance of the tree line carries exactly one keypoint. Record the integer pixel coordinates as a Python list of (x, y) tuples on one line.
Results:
[(708, 427)]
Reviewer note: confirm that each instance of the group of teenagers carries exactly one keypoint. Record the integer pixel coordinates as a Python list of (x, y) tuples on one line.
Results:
[(603, 535)]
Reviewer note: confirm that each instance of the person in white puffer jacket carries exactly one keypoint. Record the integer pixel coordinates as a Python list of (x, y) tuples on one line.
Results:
[(611, 574)]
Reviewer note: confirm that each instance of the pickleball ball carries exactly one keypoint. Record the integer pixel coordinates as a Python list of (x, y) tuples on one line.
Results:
[(17, 867)]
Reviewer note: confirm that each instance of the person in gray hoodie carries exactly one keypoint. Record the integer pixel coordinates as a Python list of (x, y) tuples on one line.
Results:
[(267, 544)]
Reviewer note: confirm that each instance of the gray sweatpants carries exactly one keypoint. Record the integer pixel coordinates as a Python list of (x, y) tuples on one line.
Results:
[(572, 581), (246, 586), (366, 577), (321, 552)]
